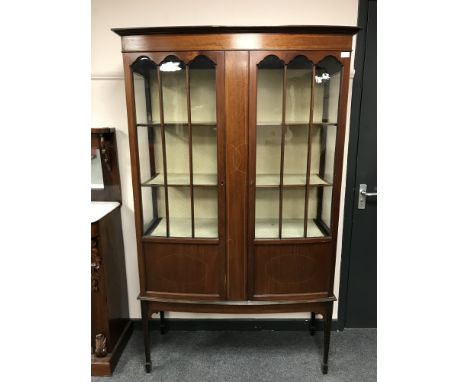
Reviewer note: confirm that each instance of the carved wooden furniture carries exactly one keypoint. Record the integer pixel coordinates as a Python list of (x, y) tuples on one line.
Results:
[(110, 324), (236, 141)]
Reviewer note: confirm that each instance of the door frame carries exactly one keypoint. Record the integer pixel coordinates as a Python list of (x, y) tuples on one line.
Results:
[(350, 193)]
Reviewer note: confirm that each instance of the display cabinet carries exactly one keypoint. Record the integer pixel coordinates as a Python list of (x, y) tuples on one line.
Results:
[(236, 140), (110, 323)]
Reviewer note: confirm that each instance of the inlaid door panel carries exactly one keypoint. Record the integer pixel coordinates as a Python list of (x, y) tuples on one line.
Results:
[(183, 271), (297, 271)]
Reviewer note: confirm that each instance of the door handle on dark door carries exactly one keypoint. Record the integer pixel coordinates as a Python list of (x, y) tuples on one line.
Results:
[(363, 195)]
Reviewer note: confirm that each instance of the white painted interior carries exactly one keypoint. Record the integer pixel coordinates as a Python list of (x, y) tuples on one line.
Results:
[(108, 95)]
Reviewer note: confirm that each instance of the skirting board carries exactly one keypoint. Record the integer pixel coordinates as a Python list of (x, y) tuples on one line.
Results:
[(104, 366), (236, 324)]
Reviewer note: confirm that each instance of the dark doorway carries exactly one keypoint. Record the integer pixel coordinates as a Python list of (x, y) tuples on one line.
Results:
[(358, 287)]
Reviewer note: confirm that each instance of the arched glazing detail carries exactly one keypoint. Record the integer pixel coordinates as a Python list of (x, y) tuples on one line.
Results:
[(175, 107), (297, 115), (327, 88)]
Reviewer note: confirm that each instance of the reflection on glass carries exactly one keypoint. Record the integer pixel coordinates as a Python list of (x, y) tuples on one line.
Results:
[(327, 90), (97, 181), (174, 91), (174, 94)]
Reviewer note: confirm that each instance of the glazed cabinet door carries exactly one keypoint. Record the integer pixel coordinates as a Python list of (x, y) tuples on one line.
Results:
[(175, 111), (296, 124)]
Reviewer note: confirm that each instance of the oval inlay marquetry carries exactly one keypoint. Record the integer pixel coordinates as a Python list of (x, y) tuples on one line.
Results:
[(291, 268)]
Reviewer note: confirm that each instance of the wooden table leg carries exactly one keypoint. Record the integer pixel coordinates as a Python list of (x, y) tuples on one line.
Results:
[(327, 318), (162, 323), (146, 334), (312, 323)]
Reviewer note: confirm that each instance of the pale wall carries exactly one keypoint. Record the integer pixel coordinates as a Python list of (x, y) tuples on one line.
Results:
[(108, 95)]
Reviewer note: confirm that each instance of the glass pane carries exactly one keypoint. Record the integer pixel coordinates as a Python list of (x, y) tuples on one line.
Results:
[(150, 155), (203, 91), (327, 90), (177, 154), (97, 181), (328, 143), (293, 212), (319, 211), (173, 138), (295, 154), (315, 155), (154, 211), (320, 197), (206, 211), (145, 85), (268, 155), (204, 155), (144, 144), (154, 95), (180, 215), (203, 118), (267, 213), (298, 90), (313, 229), (270, 91), (140, 101), (174, 89), (326, 206)]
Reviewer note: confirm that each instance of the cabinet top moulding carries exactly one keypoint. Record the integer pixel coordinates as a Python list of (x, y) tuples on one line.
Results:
[(286, 37)]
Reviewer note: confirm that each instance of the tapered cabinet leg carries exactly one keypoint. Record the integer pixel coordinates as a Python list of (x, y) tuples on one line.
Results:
[(327, 318), (146, 335), (162, 323), (312, 324)]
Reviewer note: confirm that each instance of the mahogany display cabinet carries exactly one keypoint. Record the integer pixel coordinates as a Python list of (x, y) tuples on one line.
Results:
[(236, 140)]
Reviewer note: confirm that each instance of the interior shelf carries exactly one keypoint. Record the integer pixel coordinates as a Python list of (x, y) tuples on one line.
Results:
[(293, 124), (291, 228), (169, 124), (273, 180), (183, 180), (182, 227)]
